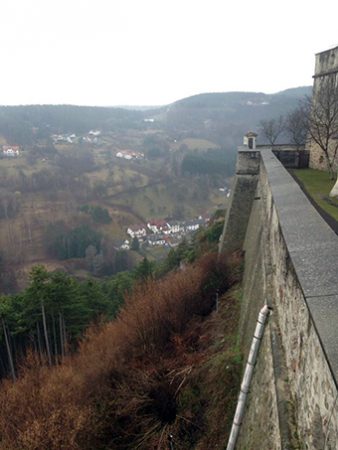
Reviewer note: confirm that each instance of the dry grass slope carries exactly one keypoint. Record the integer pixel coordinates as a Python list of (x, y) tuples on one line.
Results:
[(138, 378)]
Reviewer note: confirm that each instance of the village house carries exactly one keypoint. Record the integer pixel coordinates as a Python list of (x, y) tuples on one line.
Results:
[(158, 226), (64, 138), (139, 231), (121, 244), (156, 240), (175, 227), (165, 234), (123, 155), (94, 133), (125, 245), (58, 138), (90, 139), (10, 150), (193, 225), (129, 154)]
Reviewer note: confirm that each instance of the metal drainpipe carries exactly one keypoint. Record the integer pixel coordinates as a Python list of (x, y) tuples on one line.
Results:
[(255, 344)]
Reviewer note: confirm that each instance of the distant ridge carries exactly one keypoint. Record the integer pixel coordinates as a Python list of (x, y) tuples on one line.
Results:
[(296, 92), (222, 117), (214, 98), (138, 107), (219, 96), (225, 117)]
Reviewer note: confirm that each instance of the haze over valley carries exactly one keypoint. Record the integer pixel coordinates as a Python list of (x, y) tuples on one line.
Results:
[(79, 177)]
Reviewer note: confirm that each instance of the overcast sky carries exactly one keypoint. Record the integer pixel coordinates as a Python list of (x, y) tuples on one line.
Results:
[(151, 52)]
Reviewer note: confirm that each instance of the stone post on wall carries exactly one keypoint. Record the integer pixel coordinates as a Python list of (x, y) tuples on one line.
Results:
[(242, 195)]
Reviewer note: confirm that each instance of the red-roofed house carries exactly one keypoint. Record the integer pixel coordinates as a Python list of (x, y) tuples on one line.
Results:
[(158, 226)]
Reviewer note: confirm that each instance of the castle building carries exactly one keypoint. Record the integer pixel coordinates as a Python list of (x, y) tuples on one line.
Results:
[(326, 68)]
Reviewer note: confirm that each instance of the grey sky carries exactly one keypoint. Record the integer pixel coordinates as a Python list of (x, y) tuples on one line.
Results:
[(111, 52)]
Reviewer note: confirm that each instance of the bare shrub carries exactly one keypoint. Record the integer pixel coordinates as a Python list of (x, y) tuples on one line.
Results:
[(111, 394)]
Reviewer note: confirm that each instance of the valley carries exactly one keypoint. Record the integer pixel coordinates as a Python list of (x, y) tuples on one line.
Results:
[(73, 179), (50, 190)]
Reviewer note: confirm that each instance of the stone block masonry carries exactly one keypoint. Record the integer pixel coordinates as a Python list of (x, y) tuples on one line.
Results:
[(291, 261), (242, 194), (326, 65)]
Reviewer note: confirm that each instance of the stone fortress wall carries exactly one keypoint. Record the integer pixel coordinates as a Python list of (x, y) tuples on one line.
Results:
[(291, 263), (326, 65)]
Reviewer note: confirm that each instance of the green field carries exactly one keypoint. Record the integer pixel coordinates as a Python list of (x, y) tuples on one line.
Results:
[(318, 185)]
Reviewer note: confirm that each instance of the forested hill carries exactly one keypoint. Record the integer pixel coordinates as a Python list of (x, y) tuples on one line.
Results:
[(225, 116), (223, 100), (26, 124)]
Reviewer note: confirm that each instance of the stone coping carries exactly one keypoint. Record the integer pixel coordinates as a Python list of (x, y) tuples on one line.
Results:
[(326, 51), (246, 149), (291, 147), (313, 249)]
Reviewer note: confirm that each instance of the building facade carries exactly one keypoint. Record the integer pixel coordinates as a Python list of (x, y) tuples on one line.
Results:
[(326, 69)]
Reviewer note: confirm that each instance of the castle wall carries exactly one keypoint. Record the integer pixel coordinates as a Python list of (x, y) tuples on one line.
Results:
[(242, 194), (290, 263)]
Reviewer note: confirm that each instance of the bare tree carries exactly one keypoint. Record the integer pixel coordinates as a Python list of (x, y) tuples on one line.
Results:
[(296, 126), (45, 331), (321, 119), (9, 351), (271, 129)]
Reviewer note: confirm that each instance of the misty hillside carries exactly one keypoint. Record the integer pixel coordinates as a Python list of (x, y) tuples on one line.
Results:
[(222, 116), (296, 92), (227, 116)]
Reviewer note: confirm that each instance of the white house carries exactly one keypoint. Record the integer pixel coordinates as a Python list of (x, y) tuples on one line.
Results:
[(58, 138), (138, 231), (11, 151), (155, 240), (175, 227), (129, 154), (125, 245), (124, 155), (71, 138), (90, 140), (194, 225), (158, 226), (94, 132)]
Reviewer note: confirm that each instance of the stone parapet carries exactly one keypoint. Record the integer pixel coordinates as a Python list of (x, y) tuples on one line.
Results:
[(241, 198), (326, 62), (247, 161), (291, 263)]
